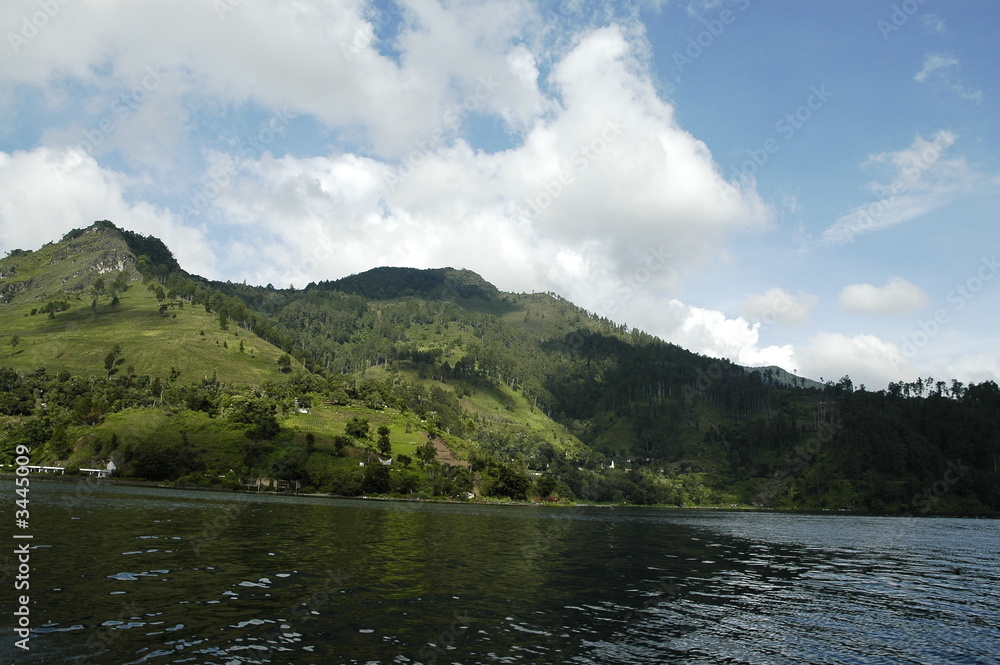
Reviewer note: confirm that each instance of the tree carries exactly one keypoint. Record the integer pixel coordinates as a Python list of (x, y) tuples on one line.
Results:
[(97, 288), (157, 461), (376, 479), (259, 413), (384, 447), (340, 442), (504, 481), (113, 359), (427, 453), (118, 286), (545, 485), (285, 363), (339, 397), (357, 428), (14, 341)]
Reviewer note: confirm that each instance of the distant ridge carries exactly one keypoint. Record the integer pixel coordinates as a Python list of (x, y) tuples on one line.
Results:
[(388, 283), (775, 374)]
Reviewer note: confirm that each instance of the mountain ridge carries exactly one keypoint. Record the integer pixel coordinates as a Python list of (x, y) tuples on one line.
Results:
[(114, 350)]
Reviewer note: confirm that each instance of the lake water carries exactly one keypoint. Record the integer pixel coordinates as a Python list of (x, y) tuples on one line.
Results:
[(142, 575)]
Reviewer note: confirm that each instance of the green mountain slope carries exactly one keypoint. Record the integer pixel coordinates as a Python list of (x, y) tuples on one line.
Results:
[(500, 394), (155, 334)]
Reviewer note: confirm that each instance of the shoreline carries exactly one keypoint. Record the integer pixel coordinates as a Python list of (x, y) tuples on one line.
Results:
[(91, 480)]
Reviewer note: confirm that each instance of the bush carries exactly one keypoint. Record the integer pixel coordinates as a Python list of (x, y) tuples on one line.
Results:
[(376, 479), (357, 428), (345, 482)]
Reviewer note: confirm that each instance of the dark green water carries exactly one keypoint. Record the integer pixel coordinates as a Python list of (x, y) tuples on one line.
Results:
[(136, 575)]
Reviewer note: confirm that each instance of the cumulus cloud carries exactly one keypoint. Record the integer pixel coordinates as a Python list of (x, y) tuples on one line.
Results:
[(578, 201), (778, 305), (327, 60), (974, 367), (47, 192), (710, 332), (898, 296), (597, 169), (922, 180), (865, 358)]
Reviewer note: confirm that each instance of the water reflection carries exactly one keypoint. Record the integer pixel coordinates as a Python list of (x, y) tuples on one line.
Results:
[(130, 575)]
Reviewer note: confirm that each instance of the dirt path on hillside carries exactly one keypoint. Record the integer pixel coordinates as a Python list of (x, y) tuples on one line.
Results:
[(444, 453)]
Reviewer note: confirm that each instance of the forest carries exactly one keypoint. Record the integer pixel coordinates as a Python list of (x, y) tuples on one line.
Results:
[(537, 397)]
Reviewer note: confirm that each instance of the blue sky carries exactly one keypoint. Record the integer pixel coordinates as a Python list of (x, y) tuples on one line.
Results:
[(812, 185)]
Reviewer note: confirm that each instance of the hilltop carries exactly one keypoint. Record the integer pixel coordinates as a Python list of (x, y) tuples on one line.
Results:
[(72, 302), (116, 353)]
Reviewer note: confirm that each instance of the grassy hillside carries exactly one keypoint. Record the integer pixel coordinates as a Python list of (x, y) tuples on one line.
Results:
[(152, 342), (65, 268), (60, 309)]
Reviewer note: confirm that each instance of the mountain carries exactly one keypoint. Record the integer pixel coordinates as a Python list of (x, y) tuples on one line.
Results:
[(71, 302), (116, 353), (434, 284), (775, 374)]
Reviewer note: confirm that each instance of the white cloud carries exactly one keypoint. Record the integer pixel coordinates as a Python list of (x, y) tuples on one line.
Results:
[(599, 165), (923, 181), (974, 367), (321, 59), (778, 305), (865, 358), (708, 332), (933, 63), (938, 66), (933, 22), (608, 175), (898, 296), (48, 192)]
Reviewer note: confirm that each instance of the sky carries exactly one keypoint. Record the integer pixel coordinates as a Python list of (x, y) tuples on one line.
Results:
[(803, 184)]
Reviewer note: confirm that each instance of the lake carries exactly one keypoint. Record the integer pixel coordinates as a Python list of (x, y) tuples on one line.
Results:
[(145, 575)]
